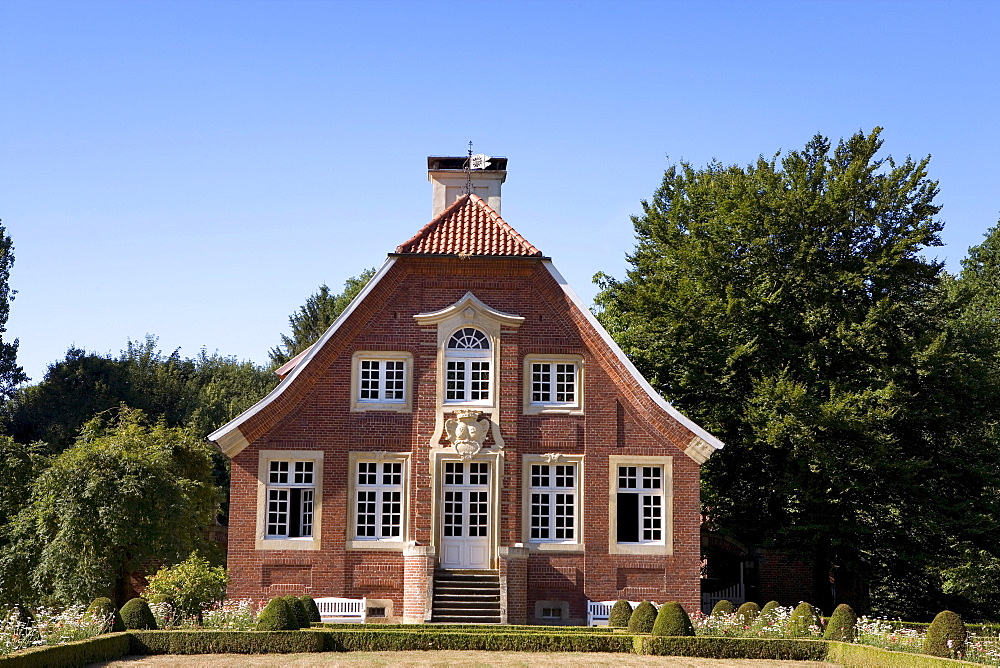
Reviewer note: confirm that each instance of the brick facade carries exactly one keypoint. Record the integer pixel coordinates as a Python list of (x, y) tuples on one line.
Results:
[(312, 413)]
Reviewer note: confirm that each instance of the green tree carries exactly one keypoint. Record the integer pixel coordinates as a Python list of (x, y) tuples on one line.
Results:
[(202, 393), (315, 316), (11, 375), (189, 587), (127, 492), (788, 307)]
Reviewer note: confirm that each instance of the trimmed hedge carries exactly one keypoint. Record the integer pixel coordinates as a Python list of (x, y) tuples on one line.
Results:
[(643, 618), (946, 629), (748, 613), (136, 615), (78, 653), (311, 608), (672, 620), (723, 607), (849, 654), (734, 648), (620, 613), (842, 625), (226, 642), (496, 641), (104, 608)]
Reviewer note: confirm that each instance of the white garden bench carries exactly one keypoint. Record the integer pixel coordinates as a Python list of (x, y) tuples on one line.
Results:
[(335, 610), (598, 612)]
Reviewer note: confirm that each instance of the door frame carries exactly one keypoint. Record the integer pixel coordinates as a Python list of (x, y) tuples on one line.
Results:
[(496, 461)]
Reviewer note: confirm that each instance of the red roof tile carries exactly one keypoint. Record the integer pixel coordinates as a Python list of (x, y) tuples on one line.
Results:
[(468, 227)]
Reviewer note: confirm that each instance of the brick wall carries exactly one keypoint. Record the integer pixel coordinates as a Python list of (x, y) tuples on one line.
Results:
[(619, 419)]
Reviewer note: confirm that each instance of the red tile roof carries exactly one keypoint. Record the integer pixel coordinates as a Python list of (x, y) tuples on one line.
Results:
[(468, 227)]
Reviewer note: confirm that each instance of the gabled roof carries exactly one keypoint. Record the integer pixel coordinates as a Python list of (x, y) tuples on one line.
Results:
[(469, 227)]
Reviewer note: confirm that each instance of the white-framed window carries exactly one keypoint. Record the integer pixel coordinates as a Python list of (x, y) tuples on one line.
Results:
[(553, 517), (289, 499), (377, 500), (641, 505), (380, 380), (468, 367), (553, 384), (378, 494), (553, 498)]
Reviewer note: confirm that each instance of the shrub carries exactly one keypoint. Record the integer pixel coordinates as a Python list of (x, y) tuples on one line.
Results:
[(621, 611), (643, 618), (103, 609), (769, 613), (723, 607), (190, 586), (299, 610), (946, 635), (842, 624), (747, 613), (277, 616), (137, 615), (311, 608), (804, 621), (673, 620)]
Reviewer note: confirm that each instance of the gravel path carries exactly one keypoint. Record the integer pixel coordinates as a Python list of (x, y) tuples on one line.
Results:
[(442, 659)]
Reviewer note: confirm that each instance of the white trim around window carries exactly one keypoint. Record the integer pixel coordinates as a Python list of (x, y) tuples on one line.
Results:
[(552, 499), (553, 384), (289, 499), (378, 500), (381, 380), (640, 505)]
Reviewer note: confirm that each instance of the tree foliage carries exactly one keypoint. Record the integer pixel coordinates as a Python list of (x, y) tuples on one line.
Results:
[(11, 375), (315, 316), (202, 393), (787, 306), (125, 493), (189, 587)]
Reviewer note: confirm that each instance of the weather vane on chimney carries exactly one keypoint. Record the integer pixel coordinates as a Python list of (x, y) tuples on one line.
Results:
[(478, 161)]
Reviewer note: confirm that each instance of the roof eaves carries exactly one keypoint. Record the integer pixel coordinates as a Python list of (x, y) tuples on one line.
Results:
[(704, 443), (229, 437)]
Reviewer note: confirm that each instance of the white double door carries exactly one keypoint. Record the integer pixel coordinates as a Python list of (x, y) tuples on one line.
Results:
[(465, 514)]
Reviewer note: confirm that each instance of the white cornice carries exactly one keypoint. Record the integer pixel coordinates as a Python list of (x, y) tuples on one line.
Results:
[(468, 301), (698, 454), (229, 437)]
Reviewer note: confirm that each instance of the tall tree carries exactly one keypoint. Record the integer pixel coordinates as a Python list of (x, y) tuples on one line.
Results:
[(315, 316), (11, 375), (788, 307), (125, 493)]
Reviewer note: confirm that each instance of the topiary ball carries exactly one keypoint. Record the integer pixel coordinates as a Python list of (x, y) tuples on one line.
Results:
[(311, 608), (946, 635), (804, 622), (137, 615), (747, 613), (299, 610), (621, 612), (768, 615), (102, 611), (277, 616), (643, 618), (672, 620), (723, 607), (842, 625)]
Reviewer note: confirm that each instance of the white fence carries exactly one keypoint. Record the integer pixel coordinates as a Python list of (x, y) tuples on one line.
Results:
[(598, 612), (342, 609), (735, 595)]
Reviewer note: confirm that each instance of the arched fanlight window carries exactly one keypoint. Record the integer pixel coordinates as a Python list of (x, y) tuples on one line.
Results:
[(467, 366), (468, 338)]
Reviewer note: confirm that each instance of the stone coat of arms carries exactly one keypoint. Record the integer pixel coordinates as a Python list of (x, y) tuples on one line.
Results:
[(466, 433)]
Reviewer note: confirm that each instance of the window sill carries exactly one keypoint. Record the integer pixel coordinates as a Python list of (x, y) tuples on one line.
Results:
[(550, 409), (288, 543), (383, 545), (364, 406), (639, 548), (556, 547)]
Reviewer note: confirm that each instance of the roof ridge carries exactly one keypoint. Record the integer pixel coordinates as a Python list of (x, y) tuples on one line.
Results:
[(468, 227)]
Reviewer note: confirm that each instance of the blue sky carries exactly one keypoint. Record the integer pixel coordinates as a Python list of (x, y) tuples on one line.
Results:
[(195, 170)]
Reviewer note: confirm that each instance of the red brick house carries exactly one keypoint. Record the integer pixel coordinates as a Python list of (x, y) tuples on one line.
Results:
[(466, 425)]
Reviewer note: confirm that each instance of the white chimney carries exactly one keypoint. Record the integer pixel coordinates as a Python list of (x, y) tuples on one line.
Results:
[(448, 176)]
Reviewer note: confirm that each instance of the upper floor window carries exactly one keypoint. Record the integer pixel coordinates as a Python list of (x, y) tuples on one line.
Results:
[(553, 384), (468, 358), (380, 380)]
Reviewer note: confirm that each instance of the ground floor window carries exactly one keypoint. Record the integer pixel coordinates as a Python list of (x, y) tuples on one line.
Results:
[(288, 511), (641, 504), (378, 498), (552, 501)]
